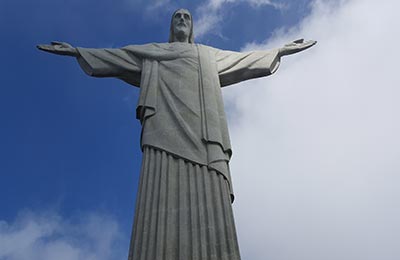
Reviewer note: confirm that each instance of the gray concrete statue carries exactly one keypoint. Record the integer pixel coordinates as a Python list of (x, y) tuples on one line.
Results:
[(183, 208)]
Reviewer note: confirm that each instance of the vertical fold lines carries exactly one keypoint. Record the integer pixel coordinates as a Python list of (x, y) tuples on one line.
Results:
[(183, 212)]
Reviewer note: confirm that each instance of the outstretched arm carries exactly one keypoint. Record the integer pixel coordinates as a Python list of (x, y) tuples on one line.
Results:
[(234, 67), (59, 48), (117, 63), (295, 46)]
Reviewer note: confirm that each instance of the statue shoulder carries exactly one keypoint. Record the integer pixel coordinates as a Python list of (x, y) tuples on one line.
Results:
[(147, 46), (208, 49)]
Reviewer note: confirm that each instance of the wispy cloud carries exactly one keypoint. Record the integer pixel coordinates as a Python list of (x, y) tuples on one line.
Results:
[(150, 6), (48, 236), (316, 147), (157, 4), (210, 14)]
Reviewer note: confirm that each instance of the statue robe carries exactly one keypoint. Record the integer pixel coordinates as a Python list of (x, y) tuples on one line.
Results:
[(183, 127)]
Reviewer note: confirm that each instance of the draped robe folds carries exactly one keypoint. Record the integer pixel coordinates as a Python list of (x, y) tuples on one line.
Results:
[(180, 105)]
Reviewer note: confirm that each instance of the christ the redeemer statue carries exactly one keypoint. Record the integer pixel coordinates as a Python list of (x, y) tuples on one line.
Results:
[(183, 208)]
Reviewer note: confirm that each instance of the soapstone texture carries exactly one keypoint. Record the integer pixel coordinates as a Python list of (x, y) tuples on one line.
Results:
[(182, 114), (183, 208), (180, 104)]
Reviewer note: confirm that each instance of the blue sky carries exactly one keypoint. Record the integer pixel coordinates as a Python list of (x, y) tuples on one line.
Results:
[(69, 144), (72, 141)]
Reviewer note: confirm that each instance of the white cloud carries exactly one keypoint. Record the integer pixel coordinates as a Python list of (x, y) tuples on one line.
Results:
[(48, 236), (317, 147), (157, 4), (210, 13), (151, 7)]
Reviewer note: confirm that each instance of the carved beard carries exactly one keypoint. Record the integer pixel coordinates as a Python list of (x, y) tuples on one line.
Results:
[(181, 33)]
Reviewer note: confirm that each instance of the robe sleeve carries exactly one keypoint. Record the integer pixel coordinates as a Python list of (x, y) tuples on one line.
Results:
[(117, 63), (234, 67)]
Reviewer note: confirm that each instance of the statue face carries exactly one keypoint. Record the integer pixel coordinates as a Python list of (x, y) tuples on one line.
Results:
[(182, 24)]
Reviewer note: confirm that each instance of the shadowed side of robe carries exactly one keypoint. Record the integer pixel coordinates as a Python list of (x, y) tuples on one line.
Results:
[(142, 65), (182, 211)]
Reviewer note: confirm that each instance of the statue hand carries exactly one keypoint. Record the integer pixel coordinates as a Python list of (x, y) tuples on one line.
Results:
[(60, 48), (296, 46)]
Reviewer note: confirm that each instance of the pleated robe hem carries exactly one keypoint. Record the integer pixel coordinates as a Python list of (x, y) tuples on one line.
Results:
[(183, 212)]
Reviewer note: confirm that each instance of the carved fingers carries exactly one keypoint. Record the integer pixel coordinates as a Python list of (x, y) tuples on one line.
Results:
[(299, 41), (60, 48), (296, 46)]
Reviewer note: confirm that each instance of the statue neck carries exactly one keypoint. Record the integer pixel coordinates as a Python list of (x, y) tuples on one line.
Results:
[(181, 37)]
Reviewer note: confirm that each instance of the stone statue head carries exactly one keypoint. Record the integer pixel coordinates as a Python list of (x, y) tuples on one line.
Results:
[(181, 26)]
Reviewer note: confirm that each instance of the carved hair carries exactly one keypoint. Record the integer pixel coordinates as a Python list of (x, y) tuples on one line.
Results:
[(171, 29)]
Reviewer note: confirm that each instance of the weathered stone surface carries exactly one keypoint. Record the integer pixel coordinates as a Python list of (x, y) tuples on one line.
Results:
[(183, 208)]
